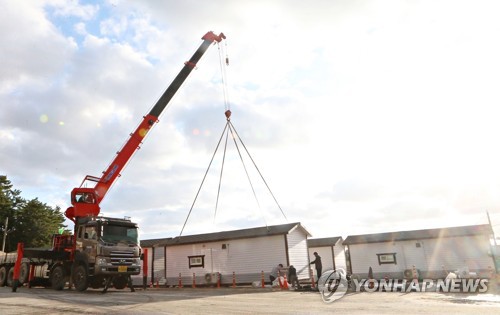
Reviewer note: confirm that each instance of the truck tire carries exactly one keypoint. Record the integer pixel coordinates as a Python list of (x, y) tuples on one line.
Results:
[(10, 277), (24, 273), (120, 282), (58, 278), (3, 276), (80, 278)]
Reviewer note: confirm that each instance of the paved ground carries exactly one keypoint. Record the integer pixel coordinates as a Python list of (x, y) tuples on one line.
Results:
[(238, 301)]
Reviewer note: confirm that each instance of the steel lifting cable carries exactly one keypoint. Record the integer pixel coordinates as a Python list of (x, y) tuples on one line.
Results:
[(245, 168), (204, 177), (234, 135), (229, 127), (221, 171), (224, 62), (262, 177)]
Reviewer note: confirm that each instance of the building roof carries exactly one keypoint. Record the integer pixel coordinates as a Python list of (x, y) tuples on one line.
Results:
[(150, 243), (225, 235), (319, 242), (484, 229)]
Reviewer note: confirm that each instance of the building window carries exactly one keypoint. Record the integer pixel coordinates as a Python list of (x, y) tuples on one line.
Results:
[(387, 258), (196, 261), (417, 245)]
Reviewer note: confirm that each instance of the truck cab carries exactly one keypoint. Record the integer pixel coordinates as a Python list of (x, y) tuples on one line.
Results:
[(106, 248)]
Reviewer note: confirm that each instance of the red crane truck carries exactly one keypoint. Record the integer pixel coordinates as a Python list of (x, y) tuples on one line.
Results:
[(103, 251)]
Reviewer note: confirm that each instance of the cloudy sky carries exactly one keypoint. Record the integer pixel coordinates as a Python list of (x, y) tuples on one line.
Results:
[(362, 116)]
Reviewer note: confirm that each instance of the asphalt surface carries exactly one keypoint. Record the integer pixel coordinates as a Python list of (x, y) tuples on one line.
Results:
[(238, 301)]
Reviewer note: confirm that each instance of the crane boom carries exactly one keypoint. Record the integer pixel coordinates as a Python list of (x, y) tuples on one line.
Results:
[(85, 201)]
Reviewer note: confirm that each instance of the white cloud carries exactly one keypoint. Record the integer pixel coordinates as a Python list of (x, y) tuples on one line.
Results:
[(73, 8), (32, 49), (362, 116)]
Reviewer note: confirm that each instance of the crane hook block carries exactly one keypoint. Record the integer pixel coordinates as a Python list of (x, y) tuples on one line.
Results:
[(228, 114)]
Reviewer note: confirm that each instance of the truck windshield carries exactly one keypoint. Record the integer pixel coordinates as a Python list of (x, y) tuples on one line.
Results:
[(118, 233)]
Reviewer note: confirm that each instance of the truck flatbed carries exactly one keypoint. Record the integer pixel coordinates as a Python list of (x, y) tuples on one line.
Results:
[(41, 253)]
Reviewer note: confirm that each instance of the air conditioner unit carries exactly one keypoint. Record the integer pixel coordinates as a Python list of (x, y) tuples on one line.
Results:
[(211, 277)]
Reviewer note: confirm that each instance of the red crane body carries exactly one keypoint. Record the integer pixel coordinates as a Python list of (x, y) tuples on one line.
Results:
[(85, 201)]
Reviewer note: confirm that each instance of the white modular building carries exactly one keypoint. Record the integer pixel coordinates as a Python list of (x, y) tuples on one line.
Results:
[(431, 252), (246, 253)]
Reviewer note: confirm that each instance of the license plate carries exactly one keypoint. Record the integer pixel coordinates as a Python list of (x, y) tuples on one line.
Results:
[(122, 268)]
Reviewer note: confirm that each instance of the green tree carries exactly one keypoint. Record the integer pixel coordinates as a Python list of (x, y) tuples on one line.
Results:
[(10, 200), (36, 222), (31, 222)]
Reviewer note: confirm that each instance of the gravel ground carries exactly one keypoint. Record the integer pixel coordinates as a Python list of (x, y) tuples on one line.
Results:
[(239, 301)]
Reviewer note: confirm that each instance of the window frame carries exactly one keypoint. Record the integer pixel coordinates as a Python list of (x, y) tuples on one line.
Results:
[(193, 263), (387, 259)]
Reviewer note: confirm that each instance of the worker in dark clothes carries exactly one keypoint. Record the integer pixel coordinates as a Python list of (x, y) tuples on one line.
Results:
[(317, 264), (292, 277)]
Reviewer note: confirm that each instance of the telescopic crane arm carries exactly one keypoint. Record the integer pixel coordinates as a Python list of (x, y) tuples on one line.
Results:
[(85, 201)]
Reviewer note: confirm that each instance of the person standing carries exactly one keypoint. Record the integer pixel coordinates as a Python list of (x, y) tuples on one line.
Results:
[(317, 264)]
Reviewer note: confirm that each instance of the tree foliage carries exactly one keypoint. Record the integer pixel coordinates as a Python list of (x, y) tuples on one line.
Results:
[(29, 221)]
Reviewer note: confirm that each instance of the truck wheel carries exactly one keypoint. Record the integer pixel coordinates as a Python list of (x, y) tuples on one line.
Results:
[(81, 278), (58, 278), (3, 276), (24, 273), (10, 277), (120, 282)]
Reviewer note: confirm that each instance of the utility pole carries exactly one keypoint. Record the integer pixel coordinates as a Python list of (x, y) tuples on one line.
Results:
[(5, 233)]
